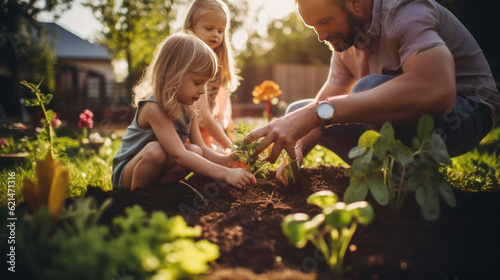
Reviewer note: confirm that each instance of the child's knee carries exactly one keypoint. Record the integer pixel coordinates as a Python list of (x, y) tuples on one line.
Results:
[(194, 148), (154, 152)]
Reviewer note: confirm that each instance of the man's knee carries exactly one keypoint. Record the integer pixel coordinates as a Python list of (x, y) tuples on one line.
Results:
[(298, 104), (369, 82)]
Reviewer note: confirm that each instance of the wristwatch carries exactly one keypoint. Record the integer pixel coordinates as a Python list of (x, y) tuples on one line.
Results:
[(325, 112)]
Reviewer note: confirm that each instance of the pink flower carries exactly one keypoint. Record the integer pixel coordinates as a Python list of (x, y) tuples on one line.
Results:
[(3, 142), (86, 119), (56, 122)]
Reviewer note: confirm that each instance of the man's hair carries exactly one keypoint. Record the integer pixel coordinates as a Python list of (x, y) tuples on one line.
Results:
[(176, 57)]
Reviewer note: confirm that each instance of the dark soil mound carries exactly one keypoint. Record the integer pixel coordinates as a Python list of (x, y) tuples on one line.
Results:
[(246, 225)]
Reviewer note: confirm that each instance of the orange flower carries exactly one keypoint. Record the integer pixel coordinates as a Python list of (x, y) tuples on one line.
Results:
[(265, 91)]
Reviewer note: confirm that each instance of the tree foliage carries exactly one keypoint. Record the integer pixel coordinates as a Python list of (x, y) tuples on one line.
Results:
[(25, 51), (291, 42), (133, 28)]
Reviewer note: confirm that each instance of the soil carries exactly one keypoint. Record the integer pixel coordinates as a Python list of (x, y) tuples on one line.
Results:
[(246, 225)]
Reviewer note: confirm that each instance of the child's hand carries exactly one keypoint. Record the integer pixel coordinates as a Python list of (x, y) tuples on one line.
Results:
[(240, 178), (232, 162)]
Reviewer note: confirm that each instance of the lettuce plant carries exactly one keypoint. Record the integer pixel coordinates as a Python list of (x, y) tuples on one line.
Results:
[(331, 230), (378, 155)]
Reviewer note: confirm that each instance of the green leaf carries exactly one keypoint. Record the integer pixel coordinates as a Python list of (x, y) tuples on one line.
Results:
[(46, 98), (356, 152), (361, 165), (425, 126), (439, 151), (362, 211), (428, 199), (50, 116), (336, 216), (380, 192), (387, 132), (414, 182), (368, 138), (415, 143), (31, 102), (401, 153), (293, 226), (322, 199), (356, 191), (446, 193)]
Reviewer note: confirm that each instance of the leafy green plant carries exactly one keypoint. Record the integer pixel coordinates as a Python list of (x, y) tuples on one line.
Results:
[(145, 247), (41, 100), (331, 230), (254, 163), (374, 167)]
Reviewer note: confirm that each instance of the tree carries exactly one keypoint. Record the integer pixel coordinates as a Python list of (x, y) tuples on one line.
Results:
[(25, 52), (291, 42), (133, 28)]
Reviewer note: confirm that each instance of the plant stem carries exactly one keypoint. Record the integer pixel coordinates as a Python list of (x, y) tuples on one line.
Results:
[(268, 109), (345, 238), (48, 123), (389, 165), (400, 198)]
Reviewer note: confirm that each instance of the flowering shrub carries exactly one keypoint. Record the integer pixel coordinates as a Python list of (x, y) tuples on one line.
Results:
[(266, 92)]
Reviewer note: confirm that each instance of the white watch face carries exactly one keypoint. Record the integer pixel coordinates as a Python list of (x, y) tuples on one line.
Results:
[(325, 111)]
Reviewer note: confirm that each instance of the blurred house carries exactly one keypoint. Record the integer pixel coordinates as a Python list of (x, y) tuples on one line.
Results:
[(84, 75)]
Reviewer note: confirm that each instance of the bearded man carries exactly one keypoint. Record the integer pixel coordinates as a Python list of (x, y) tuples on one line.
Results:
[(392, 60)]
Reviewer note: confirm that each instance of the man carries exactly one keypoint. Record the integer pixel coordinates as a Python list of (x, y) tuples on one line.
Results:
[(401, 59)]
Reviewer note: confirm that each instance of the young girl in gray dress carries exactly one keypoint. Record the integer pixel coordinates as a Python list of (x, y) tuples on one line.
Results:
[(153, 149)]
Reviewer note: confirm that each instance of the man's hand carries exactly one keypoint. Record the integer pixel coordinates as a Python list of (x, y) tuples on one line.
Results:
[(281, 168), (285, 132)]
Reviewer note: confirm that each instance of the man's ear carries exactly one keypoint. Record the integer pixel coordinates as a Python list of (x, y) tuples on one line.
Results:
[(354, 6)]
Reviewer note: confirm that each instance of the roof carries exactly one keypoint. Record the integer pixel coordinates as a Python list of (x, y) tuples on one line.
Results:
[(70, 46)]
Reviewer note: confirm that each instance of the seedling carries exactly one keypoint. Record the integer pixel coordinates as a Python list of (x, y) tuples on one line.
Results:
[(246, 152), (375, 161), (292, 172), (331, 230)]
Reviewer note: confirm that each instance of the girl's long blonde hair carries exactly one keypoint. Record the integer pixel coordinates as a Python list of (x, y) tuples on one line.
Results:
[(176, 57), (227, 65)]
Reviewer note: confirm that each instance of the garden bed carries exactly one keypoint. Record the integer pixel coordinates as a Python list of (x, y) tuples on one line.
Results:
[(246, 225)]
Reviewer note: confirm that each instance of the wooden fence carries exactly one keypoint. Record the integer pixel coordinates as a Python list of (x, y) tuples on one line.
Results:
[(297, 82)]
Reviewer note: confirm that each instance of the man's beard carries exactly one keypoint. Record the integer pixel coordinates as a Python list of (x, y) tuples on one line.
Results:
[(355, 26)]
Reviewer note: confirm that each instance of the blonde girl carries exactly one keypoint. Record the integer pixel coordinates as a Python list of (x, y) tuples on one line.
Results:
[(209, 20), (152, 150)]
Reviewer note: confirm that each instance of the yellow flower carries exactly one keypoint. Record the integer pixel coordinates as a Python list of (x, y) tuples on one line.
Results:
[(50, 191), (265, 91)]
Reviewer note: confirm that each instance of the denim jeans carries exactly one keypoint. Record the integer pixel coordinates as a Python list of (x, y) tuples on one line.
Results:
[(461, 129)]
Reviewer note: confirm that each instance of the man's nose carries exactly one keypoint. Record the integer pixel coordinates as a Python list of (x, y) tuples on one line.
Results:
[(322, 34)]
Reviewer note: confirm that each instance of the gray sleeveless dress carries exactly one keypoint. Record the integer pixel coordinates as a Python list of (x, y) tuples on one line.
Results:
[(137, 137)]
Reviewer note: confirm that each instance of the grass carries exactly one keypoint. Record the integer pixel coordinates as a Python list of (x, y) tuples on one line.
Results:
[(479, 169), (85, 167), (475, 171)]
